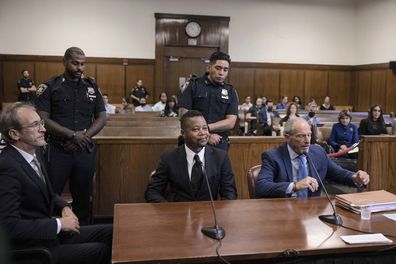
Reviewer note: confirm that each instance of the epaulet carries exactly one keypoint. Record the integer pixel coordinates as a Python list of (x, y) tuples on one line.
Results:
[(42, 87)]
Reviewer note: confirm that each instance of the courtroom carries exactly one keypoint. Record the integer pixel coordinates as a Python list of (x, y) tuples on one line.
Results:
[(212, 131)]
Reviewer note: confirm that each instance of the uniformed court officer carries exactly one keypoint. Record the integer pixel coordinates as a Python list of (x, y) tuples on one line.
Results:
[(216, 100), (73, 110), (27, 88)]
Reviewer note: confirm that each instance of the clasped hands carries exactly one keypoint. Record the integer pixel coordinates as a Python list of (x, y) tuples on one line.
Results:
[(79, 141), (69, 221)]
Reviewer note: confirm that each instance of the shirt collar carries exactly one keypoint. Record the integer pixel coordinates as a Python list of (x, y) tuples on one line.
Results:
[(190, 154), (292, 154), (27, 156)]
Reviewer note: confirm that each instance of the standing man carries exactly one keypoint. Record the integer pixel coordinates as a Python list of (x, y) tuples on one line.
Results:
[(73, 110), (138, 92), (30, 212), (215, 99), (181, 168), (26, 87)]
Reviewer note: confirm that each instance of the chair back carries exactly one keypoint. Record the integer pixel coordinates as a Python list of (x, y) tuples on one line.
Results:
[(252, 175)]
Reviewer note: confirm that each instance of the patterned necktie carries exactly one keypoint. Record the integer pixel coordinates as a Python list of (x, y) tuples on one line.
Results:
[(302, 174), (196, 175), (37, 168)]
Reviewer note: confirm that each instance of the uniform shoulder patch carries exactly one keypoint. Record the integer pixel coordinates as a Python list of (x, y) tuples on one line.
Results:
[(41, 88)]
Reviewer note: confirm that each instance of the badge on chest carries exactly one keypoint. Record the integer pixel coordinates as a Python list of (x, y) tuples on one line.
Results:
[(91, 94), (224, 94)]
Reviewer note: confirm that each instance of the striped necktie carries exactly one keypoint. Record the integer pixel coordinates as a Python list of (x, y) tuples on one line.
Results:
[(37, 168)]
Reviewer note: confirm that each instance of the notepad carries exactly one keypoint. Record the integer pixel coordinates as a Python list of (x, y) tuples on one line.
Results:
[(377, 238)]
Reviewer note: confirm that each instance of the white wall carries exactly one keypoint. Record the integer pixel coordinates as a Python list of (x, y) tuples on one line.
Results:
[(375, 34), (289, 31)]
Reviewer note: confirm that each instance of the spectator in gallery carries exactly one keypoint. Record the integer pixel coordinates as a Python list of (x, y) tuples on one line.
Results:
[(297, 100), (27, 89), (143, 106), (265, 100), (269, 119), (252, 116), (160, 105), (110, 109), (246, 104), (374, 124), (170, 108), (125, 107), (344, 134), (283, 102), (139, 91), (326, 104), (291, 112)]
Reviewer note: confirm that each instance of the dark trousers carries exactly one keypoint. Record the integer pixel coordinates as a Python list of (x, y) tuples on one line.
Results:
[(79, 168), (92, 245)]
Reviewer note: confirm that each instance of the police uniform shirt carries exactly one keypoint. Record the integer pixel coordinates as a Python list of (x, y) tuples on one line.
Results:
[(72, 104), (215, 102), (25, 83), (139, 92)]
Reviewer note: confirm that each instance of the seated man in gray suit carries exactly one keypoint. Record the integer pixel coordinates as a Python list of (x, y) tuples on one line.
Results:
[(286, 171), (179, 176)]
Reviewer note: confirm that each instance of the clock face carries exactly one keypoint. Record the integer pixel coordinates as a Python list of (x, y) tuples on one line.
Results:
[(193, 29)]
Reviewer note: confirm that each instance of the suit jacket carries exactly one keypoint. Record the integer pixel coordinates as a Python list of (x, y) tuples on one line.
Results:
[(276, 172), (172, 174), (263, 116), (27, 204)]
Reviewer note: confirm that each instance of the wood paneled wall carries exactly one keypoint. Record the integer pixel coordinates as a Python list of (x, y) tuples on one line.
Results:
[(112, 76), (377, 156), (360, 86)]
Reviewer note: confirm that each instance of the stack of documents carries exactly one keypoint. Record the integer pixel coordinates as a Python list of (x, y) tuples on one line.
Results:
[(367, 239), (378, 201)]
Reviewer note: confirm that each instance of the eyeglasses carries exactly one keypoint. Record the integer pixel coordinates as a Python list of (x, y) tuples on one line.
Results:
[(302, 136), (35, 125), (376, 110)]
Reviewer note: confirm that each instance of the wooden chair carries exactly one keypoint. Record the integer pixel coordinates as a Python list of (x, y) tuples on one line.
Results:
[(251, 179)]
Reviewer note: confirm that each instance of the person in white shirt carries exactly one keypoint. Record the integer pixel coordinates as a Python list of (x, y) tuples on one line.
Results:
[(160, 105), (110, 109), (143, 107)]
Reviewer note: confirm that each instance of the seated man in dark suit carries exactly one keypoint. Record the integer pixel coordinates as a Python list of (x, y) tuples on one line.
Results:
[(28, 203), (285, 171), (182, 169)]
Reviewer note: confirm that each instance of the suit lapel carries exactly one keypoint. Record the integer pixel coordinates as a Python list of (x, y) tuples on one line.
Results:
[(183, 173), (287, 162), (30, 172)]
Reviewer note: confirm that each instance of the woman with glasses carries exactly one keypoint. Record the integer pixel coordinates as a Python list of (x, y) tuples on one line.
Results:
[(374, 124)]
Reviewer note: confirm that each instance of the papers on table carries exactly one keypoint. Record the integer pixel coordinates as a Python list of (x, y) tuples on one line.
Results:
[(378, 201), (367, 239), (391, 216)]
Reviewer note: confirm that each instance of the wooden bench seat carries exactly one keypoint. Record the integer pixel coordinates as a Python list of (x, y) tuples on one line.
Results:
[(165, 131)]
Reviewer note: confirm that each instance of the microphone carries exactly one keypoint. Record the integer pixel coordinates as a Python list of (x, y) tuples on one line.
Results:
[(334, 219), (215, 232)]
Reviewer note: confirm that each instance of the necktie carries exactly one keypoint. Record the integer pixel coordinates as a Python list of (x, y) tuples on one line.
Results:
[(37, 168), (302, 173), (196, 175)]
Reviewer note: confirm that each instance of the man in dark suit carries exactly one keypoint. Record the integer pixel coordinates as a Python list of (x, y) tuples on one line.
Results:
[(179, 176), (28, 203), (285, 170)]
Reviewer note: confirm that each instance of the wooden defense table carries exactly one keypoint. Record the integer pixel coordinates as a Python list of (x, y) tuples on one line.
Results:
[(255, 229)]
